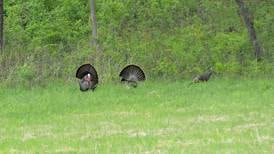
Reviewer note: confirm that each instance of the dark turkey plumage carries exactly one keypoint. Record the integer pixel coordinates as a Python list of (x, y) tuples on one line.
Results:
[(131, 75), (88, 77), (203, 77)]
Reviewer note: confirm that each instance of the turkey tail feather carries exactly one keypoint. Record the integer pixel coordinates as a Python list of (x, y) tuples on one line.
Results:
[(131, 74)]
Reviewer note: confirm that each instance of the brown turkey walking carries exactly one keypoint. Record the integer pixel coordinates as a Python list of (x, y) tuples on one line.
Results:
[(202, 77), (88, 77), (131, 75)]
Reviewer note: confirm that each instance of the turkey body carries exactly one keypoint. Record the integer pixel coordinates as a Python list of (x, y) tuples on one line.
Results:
[(203, 77), (131, 75), (84, 85)]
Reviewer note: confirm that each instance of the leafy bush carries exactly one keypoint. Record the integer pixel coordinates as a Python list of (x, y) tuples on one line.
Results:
[(168, 38)]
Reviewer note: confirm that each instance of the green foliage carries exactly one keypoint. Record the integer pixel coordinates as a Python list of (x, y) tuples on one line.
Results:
[(169, 38), (25, 72), (46, 24)]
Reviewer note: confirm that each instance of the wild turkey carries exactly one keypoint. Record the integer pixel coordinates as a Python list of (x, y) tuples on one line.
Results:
[(131, 75), (88, 77), (203, 77)]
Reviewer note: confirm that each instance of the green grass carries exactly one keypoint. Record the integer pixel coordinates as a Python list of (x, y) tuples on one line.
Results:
[(221, 116)]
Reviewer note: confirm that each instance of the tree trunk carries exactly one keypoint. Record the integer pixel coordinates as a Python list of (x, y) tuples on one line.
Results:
[(1, 24), (93, 23), (250, 27)]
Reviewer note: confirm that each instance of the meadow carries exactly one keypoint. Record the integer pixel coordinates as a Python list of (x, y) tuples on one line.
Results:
[(221, 116)]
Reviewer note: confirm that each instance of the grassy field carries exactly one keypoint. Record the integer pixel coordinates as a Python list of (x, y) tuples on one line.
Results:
[(221, 116)]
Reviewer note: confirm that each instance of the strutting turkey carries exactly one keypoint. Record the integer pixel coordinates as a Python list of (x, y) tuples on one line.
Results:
[(131, 75), (88, 77)]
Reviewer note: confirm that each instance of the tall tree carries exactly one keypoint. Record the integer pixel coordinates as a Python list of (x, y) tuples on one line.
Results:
[(93, 23), (246, 15), (1, 24)]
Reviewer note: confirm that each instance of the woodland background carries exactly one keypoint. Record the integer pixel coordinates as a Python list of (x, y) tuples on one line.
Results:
[(170, 39)]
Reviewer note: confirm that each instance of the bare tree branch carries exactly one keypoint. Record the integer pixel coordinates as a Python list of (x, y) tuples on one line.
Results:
[(250, 27), (93, 22), (1, 24)]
